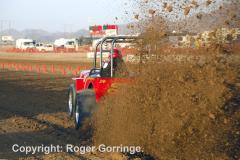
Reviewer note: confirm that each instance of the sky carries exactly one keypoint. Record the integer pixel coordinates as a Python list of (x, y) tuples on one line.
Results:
[(73, 15), (60, 15)]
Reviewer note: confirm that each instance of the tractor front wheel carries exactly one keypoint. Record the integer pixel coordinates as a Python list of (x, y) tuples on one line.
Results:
[(71, 100)]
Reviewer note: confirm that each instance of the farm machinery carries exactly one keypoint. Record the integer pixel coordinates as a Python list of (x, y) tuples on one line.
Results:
[(91, 85)]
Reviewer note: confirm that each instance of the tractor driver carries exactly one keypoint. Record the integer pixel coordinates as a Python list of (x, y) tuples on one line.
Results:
[(119, 67)]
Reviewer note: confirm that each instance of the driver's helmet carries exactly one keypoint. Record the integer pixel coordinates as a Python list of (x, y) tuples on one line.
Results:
[(116, 54)]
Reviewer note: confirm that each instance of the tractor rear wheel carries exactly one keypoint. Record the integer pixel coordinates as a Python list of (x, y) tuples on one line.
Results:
[(71, 100), (85, 106)]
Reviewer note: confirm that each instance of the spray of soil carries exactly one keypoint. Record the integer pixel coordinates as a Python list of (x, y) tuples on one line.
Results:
[(176, 110)]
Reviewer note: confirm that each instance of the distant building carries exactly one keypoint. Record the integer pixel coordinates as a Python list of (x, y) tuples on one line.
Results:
[(102, 31), (7, 40)]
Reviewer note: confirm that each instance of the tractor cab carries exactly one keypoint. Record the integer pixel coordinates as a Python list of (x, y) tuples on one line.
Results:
[(106, 69), (109, 67)]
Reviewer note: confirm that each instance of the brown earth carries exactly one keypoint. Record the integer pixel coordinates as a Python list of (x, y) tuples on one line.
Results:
[(33, 111), (46, 57)]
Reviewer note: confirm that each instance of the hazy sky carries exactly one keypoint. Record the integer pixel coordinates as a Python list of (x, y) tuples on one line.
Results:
[(72, 15), (55, 15)]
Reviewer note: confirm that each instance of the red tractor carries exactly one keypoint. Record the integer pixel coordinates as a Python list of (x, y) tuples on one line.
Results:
[(93, 84)]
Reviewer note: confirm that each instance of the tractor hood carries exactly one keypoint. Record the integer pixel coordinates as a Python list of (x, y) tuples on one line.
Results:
[(84, 73)]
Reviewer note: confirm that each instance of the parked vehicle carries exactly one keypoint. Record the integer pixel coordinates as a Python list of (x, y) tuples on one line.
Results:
[(25, 44), (66, 45), (44, 47)]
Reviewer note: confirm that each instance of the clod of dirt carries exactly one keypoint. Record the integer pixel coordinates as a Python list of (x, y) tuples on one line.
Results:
[(195, 4), (187, 10), (136, 16), (169, 8), (227, 22), (165, 5), (208, 2), (152, 12), (199, 16)]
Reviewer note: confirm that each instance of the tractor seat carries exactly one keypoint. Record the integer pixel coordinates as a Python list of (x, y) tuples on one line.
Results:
[(117, 64)]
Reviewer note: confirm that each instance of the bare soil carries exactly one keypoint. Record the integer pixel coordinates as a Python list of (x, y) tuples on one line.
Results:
[(33, 111), (46, 57)]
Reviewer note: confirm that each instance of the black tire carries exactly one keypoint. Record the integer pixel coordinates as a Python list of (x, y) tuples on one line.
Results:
[(71, 100), (85, 106)]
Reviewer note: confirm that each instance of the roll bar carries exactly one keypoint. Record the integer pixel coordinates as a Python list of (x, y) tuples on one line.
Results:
[(112, 40)]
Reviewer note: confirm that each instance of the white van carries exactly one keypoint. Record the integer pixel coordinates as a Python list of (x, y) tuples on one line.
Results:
[(66, 43), (25, 44), (44, 47)]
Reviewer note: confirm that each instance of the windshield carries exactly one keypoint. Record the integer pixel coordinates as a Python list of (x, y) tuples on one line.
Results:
[(70, 43), (28, 43)]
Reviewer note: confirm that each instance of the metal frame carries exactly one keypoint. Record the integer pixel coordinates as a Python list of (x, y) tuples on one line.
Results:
[(113, 41)]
